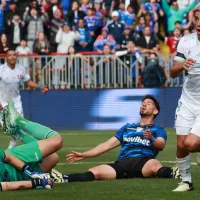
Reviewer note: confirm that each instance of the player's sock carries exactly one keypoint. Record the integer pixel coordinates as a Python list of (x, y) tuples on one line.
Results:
[(24, 137), (184, 167), (165, 172), (87, 176), (38, 131)]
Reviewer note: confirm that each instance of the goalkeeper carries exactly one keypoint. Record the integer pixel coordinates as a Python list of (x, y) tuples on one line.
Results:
[(24, 166)]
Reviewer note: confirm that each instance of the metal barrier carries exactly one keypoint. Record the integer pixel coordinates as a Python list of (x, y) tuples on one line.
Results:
[(61, 71)]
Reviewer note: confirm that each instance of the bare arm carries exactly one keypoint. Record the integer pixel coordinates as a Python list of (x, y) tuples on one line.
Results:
[(34, 85), (159, 143), (101, 148), (178, 67), (8, 186), (14, 161)]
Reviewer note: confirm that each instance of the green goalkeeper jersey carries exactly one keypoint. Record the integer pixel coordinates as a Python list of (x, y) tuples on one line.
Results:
[(7, 172)]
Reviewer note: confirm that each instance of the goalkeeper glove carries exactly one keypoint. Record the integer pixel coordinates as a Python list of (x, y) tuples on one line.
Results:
[(42, 183), (27, 170)]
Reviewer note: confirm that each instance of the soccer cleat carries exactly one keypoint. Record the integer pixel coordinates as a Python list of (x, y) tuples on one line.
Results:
[(198, 158), (57, 176), (9, 116), (184, 187), (175, 172)]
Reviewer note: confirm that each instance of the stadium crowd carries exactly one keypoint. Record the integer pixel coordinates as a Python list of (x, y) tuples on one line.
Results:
[(46, 26)]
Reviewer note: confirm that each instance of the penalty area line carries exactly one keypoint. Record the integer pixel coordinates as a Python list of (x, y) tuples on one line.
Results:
[(105, 162)]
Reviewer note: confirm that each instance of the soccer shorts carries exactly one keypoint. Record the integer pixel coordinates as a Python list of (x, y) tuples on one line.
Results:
[(129, 167), (29, 153), (187, 119)]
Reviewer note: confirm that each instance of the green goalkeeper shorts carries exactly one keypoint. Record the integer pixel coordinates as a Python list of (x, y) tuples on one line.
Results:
[(29, 153)]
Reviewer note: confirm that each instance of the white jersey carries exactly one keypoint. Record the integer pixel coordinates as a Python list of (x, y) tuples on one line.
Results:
[(9, 83), (189, 47)]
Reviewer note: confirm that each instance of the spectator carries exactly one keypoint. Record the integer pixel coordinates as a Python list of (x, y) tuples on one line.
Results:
[(104, 39), (24, 50), (146, 42), (122, 12), (135, 6), (66, 5), (12, 9), (140, 27), (15, 30), (41, 44), (174, 14), (65, 38), (52, 7), (172, 41), (130, 17), (154, 8), (55, 23), (74, 14), (149, 22), (116, 28), (127, 36), (91, 22), (2, 7), (35, 25), (85, 42), (4, 44), (186, 32), (84, 6)]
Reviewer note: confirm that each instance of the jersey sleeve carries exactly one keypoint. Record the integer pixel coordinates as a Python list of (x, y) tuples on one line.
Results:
[(26, 77), (119, 134), (161, 133), (2, 155), (180, 51)]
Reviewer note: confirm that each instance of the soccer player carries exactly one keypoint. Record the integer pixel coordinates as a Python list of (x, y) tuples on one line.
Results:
[(38, 151), (140, 143), (11, 75), (188, 112)]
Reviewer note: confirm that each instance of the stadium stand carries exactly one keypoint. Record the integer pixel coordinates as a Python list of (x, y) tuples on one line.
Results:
[(44, 30)]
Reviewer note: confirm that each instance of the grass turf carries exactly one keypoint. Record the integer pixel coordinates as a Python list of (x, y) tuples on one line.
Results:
[(144, 189)]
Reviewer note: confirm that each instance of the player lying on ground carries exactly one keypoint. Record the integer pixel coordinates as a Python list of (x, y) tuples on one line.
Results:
[(39, 155), (140, 143)]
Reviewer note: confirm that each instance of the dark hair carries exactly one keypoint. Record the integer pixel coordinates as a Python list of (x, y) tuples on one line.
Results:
[(11, 49), (178, 22), (156, 103)]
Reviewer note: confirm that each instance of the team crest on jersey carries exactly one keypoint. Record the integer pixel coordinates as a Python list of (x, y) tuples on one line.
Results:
[(139, 129), (19, 77)]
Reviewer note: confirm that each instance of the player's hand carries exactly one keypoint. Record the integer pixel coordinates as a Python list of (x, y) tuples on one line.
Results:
[(147, 134), (44, 89), (74, 156), (188, 63)]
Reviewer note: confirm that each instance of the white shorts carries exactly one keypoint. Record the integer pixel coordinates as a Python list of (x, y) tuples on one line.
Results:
[(187, 119)]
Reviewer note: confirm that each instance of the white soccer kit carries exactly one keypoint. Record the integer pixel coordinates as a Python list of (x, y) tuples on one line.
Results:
[(9, 84), (188, 110)]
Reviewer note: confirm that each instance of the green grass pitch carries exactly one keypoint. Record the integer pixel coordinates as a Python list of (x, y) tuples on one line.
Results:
[(144, 189)]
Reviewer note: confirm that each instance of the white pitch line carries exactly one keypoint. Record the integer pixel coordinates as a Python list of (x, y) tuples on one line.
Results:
[(101, 162)]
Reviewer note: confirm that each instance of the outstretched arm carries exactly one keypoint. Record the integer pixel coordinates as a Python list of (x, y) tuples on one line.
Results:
[(34, 85), (9, 186), (101, 148)]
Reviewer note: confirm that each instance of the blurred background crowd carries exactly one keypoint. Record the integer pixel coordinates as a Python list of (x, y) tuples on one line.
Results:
[(104, 26)]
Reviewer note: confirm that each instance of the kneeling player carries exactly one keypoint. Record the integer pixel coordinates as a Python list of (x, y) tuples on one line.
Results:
[(140, 143), (38, 152)]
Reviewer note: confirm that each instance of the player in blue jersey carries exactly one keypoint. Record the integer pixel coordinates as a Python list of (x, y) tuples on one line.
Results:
[(140, 144)]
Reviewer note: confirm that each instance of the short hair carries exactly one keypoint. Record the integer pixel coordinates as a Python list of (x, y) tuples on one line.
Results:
[(197, 9), (156, 103), (11, 49), (178, 22)]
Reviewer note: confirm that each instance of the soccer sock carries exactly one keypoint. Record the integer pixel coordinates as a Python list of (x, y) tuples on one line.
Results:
[(184, 167), (24, 137), (165, 172), (38, 131), (87, 176)]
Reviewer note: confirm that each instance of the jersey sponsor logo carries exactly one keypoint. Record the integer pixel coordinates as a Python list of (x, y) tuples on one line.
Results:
[(137, 139)]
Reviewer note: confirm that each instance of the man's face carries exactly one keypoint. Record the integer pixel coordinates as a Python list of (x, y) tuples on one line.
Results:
[(147, 31), (152, 1), (115, 18), (148, 108), (106, 50), (175, 5), (11, 57), (81, 24), (197, 22)]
